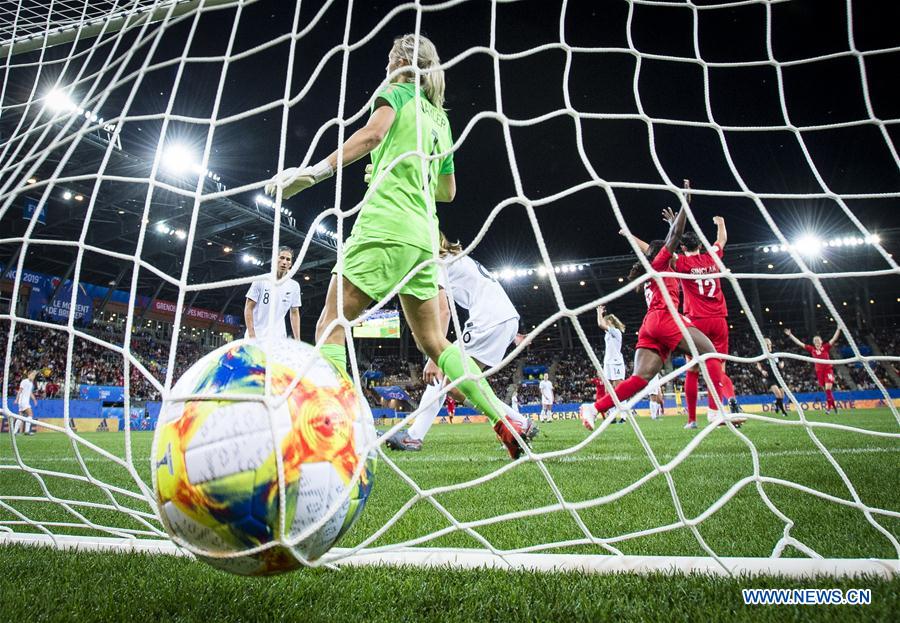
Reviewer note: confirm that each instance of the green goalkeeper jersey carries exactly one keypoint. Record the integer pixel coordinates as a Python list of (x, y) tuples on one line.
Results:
[(397, 209)]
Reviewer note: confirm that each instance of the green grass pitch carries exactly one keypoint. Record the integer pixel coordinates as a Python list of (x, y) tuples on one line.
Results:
[(104, 586)]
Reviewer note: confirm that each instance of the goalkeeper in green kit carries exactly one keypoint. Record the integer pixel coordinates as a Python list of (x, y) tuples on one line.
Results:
[(397, 227)]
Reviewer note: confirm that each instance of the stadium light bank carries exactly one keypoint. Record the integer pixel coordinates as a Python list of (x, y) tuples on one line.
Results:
[(812, 246)]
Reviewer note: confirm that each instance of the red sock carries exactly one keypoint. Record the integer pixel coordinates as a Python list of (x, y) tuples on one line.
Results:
[(625, 390), (714, 367), (690, 394), (829, 395), (727, 386)]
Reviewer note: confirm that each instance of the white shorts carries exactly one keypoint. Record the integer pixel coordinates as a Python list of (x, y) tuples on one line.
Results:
[(488, 345), (653, 386), (22, 407), (614, 371)]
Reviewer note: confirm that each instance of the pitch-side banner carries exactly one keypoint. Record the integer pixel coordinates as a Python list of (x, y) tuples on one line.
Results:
[(106, 393), (393, 393)]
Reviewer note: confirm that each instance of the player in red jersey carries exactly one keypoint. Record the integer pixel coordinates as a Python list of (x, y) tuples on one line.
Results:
[(659, 334), (824, 371), (704, 304), (451, 408)]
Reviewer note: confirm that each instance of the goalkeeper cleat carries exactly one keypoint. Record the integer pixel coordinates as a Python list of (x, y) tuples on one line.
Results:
[(504, 434), (588, 414), (733, 405), (401, 441), (531, 431)]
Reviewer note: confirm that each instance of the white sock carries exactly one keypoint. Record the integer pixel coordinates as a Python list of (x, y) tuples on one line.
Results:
[(654, 409), (613, 413), (427, 412), (514, 416)]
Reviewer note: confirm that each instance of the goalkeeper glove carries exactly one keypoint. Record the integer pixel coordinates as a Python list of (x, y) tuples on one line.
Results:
[(291, 181), (367, 178)]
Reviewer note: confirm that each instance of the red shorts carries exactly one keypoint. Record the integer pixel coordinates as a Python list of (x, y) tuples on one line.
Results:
[(659, 332), (716, 329), (825, 375)]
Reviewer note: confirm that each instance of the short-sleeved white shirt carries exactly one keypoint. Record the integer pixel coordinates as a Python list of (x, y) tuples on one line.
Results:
[(266, 294), (475, 289), (546, 391), (26, 387), (612, 354)]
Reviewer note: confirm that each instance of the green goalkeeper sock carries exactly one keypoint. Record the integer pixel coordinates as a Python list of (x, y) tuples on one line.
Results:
[(479, 392), (336, 355)]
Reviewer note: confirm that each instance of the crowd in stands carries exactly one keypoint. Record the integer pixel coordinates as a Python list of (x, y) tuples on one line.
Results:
[(93, 363)]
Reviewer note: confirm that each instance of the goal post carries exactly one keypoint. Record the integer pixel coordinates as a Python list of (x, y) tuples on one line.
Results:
[(95, 492)]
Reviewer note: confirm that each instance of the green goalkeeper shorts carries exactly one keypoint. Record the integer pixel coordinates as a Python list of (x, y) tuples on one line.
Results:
[(376, 267)]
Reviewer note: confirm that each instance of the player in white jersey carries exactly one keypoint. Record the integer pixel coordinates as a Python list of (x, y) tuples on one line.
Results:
[(546, 388), (655, 397), (613, 362), (24, 398), (493, 325), (263, 295)]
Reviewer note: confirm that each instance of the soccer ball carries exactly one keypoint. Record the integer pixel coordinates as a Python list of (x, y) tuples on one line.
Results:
[(223, 464)]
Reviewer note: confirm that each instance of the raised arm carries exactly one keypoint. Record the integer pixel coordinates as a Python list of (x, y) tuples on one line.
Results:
[(676, 227), (721, 232), (601, 319), (643, 246), (788, 333), (834, 338)]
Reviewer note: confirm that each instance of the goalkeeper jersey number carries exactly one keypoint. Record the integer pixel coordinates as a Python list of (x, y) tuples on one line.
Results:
[(396, 209)]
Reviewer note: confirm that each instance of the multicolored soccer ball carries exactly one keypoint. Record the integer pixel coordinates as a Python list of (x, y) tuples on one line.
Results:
[(223, 462)]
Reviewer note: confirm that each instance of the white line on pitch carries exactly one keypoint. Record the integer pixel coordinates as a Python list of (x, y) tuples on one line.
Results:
[(579, 458)]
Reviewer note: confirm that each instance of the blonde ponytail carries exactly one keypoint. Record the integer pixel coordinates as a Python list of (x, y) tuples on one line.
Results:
[(428, 59)]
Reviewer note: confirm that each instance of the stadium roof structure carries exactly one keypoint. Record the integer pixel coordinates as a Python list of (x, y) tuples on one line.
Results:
[(230, 230)]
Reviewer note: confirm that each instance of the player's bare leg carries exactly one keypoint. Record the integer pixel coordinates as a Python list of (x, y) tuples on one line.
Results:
[(355, 301)]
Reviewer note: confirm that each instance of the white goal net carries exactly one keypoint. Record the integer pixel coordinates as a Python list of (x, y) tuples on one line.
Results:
[(101, 100)]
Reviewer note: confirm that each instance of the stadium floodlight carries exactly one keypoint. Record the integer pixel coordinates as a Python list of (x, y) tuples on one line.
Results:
[(261, 199), (542, 271), (58, 100), (32, 180), (247, 258), (809, 245), (178, 158), (226, 249), (507, 273), (180, 234), (161, 228), (67, 194)]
